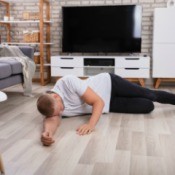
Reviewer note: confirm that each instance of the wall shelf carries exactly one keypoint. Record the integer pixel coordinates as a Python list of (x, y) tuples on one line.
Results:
[(26, 21), (16, 43), (44, 25)]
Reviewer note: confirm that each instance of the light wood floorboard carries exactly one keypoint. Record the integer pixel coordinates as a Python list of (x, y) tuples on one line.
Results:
[(122, 144)]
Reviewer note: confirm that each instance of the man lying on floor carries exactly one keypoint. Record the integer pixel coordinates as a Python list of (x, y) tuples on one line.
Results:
[(102, 93)]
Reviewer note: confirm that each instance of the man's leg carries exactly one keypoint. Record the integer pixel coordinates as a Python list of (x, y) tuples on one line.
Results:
[(124, 88), (131, 105)]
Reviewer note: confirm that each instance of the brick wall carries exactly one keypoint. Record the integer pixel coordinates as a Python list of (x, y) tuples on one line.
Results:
[(147, 18), (18, 6)]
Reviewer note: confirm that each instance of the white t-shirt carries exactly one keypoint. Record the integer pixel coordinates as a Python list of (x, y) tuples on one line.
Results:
[(71, 88)]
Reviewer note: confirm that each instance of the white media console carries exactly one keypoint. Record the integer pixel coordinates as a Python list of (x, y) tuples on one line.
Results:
[(130, 67)]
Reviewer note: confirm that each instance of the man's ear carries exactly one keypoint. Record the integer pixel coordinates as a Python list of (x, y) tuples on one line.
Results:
[(55, 95)]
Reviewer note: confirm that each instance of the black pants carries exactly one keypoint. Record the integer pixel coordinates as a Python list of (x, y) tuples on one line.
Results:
[(127, 97)]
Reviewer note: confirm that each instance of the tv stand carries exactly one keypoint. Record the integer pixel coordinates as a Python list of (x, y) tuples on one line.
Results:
[(133, 68)]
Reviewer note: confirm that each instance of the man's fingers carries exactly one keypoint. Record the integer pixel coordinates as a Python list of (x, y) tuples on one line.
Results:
[(46, 136), (47, 139), (45, 142), (83, 131)]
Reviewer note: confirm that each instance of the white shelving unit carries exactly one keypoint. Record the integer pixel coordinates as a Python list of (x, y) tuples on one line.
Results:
[(164, 45), (44, 22)]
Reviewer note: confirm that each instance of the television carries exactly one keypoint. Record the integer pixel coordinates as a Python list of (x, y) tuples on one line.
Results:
[(102, 29)]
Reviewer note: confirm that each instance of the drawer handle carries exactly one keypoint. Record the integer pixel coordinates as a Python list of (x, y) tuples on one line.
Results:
[(132, 68), (132, 58), (67, 58), (67, 67)]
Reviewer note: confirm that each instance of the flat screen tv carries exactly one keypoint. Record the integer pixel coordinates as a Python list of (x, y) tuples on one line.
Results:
[(95, 29)]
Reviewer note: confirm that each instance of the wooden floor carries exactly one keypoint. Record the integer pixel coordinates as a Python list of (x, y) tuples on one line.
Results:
[(122, 144)]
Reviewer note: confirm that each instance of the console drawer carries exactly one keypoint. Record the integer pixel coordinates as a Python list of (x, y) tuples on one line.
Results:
[(62, 71), (132, 62), (66, 61), (132, 72)]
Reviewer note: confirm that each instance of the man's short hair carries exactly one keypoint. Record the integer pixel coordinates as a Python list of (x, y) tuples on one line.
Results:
[(45, 105)]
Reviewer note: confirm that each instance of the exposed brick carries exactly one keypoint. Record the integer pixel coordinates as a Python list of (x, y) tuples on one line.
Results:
[(19, 6)]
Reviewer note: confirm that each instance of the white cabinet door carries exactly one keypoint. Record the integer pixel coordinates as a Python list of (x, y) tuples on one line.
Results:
[(62, 71), (62, 61), (126, 62), (132, 72), (164, 25), (164, 61)]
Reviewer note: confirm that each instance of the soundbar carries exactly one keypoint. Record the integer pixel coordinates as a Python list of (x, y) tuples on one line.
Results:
[(99, 62)]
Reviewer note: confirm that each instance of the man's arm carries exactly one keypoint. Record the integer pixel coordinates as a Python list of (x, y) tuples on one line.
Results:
[(91, 98), (50, 126)]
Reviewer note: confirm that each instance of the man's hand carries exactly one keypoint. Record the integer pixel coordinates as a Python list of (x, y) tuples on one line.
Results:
[(47, 138), (85, 129)]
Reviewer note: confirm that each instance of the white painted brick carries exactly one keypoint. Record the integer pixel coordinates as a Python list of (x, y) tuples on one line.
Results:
[(62, 3), (126, 1), (73, 2), (159, 5), (145, 5), (160, 1), (109, 2), (146, 42), (85, 2), (31, 8), (99, 2), (146, 1), (117, 1), (147, 20), (134, 1)]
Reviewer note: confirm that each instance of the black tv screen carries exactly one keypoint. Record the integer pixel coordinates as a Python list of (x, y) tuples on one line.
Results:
[(102, 29)]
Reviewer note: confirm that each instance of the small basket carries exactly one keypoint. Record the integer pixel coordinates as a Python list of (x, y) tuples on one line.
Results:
[(35, 35), (26, 36), (34, 16), (37, 57), (31, 16), (31, 36)]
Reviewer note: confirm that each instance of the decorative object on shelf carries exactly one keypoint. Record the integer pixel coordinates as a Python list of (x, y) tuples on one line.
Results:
[(171, 3), (6, 18), (31, 36), (26, 16), (31, 16), (11, 18), (37, 57)]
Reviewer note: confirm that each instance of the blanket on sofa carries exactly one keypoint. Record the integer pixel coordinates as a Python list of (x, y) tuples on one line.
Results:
[(29, 67)]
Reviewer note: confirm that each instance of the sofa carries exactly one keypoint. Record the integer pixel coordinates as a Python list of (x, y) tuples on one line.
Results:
[(11, 71)]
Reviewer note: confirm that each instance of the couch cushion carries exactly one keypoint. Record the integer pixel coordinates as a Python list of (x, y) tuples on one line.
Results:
[(5, 70), (15, 66), (10, 81)]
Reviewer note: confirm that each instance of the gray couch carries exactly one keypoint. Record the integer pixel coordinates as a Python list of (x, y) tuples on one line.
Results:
[(11, 71)]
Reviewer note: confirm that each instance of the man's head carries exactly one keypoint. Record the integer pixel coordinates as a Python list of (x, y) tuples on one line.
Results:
[(50, 105)]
